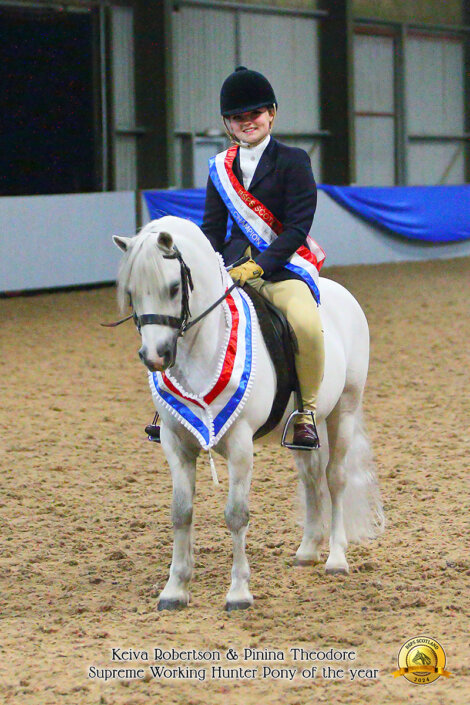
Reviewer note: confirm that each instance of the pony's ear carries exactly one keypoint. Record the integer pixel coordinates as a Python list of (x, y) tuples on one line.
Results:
[(122, 242), (165, 241)]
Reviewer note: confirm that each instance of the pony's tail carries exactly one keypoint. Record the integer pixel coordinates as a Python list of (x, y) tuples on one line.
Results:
[(362, 506)]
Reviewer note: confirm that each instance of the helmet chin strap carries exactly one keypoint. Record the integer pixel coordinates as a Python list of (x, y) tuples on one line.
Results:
[(230, 135), (238, 142)]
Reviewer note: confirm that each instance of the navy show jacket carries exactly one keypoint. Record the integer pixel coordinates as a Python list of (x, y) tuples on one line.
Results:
[(284, 183)]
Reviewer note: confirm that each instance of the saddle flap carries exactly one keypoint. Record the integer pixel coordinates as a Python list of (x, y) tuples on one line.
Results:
[(282, 345)]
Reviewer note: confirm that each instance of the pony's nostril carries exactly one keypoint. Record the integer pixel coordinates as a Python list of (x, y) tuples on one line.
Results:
[(142, 355), (164, 350)]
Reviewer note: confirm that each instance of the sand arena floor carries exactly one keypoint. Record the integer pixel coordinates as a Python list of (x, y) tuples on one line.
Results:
[(86, 535)]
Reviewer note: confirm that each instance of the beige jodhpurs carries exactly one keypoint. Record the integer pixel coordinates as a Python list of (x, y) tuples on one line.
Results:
[(295, 300)]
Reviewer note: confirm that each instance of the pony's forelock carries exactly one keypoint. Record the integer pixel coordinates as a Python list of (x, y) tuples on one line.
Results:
[(143, 262)]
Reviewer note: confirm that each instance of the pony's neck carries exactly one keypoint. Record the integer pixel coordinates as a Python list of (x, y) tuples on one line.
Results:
[(200, 348), (198, 353)]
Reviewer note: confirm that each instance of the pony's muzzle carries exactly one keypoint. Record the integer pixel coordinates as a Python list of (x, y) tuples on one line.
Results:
[(157, 365), (162, 360)]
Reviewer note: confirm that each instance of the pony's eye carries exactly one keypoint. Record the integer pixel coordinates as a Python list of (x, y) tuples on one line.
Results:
[(174, 288)]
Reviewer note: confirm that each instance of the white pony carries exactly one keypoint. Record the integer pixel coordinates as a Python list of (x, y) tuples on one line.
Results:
[(151, 276)]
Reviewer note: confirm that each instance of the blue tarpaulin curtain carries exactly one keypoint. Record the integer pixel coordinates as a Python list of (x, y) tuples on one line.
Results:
[(428, 213), (188, 203)]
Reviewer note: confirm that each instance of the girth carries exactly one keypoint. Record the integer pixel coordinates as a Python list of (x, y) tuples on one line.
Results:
[(282, 345)]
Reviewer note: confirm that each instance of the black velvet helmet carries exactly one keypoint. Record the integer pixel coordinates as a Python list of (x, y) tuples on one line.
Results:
[(245, 90)]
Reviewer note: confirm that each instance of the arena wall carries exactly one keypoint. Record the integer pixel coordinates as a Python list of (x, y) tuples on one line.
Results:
[(60, 241), (348, 239)]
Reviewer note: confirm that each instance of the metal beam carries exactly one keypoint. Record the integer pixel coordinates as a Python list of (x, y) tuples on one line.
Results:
[(440, 138), (337, 94), (438, 28), (39, 5), (245, 7), (169, 94), (104, 101), (401, 156), (466, 17)]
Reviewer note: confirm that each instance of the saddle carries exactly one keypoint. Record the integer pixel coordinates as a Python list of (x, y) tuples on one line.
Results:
[(282, 345)]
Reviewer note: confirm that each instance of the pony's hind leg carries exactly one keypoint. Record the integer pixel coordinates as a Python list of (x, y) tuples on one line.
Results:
[(310, 466), (341, 424), (182, 461), (237, 514)]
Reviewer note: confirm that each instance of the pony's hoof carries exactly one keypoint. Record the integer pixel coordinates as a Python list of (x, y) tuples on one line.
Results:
[(171, 605), (304, 561), (240, 605), (337, 571)]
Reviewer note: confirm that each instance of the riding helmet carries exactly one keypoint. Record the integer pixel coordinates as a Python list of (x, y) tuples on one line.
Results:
[(245, 90)]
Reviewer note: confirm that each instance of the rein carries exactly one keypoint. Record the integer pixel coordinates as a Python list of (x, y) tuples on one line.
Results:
[(208, 310), (181, 324)]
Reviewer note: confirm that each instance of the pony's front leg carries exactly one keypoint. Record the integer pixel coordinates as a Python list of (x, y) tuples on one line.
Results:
[(237, 514), (182, 461)]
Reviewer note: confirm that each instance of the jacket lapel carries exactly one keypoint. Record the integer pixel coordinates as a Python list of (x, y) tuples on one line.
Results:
[(265, 164), (236, 167)]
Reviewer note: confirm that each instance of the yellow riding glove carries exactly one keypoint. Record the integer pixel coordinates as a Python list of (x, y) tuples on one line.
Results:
[(248, 270)]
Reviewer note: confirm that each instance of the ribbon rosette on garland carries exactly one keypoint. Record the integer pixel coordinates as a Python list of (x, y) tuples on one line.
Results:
[(209, 415)]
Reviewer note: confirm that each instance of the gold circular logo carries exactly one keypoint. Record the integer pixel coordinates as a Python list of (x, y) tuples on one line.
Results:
[(421, 660)]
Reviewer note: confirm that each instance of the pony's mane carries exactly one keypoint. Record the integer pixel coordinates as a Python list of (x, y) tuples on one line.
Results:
[(143, 262)]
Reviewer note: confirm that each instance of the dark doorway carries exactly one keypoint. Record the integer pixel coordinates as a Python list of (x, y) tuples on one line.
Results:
[(47, 140)]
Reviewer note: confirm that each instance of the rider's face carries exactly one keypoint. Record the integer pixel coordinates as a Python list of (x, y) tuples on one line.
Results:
[(253, 126)]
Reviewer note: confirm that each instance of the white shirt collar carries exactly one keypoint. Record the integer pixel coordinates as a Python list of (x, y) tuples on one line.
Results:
[(257, 150), (249, 160)]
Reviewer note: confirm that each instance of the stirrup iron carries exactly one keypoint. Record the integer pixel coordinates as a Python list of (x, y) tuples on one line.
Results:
[(153, 430), (289, 422)]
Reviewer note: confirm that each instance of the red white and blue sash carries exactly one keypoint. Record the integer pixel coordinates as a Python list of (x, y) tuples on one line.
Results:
[(210, 414), (257, 222)]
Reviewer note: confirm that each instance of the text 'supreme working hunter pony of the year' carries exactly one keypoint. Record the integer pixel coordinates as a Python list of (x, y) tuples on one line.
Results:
[(214, 388)]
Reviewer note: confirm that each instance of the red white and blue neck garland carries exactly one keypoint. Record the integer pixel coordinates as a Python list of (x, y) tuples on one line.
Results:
[(257, 222), (210, 414)]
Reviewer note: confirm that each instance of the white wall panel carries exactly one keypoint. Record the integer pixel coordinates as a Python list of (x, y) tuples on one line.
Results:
[(435, 106), (434, 86), (285, 49), (373, 73), (375, 162), (374, 97), (203, 55), (204, 149), (70, 242), (123, 97), (436, 163)]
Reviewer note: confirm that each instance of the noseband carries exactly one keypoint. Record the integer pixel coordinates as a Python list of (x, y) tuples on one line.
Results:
[(181, 324)]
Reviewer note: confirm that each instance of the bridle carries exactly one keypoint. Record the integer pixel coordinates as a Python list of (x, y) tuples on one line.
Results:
[(181, 324)]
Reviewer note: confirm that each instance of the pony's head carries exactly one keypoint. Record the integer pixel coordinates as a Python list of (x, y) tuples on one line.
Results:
[(150, 278)]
